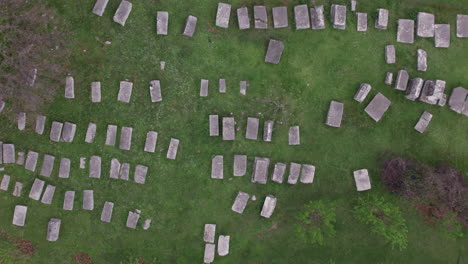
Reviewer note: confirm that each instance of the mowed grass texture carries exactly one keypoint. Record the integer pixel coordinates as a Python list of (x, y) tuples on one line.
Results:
[(180, 197)]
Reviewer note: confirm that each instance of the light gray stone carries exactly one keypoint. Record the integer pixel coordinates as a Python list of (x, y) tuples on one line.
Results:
[(361, 22), (91, 133), (1, 153), (146, 224), (2, 105), (162, 65), (20, 159), (69, 87), (214, 125), (252, 128), (150, 142), (223, 245), (162, 22), (19, 216), (100, 7), (155, 91), (422, 60), (125, 171), (280, 17), (36, 189), (405, 32), (132, 220), (88, 200), (443, 100), (106, 214), (96, 92), (390, 54), (294, 172), (382, 19), (240, 202), (125, 91), (423, 122), (414, 90), (240, 165), (243, 87), (335, 114), (362, 93), (68, 132), (401, 82), (31, 161), (21, 118), (48, 195), (389, 78), (209, 254), (458, 99), (114, 169), (82, 163), (122, 13), (243, 18), (47, 165), (462, 26), (95, 167), (260, 17), (140, 174), (353, 5), (260, 170), (18, 190), (172, 150), (361, 177), (40, 124), (317, 17), (217, 167), (56, 131), (301, 17), (111, 135), (274, 52), (64, 170), (229, 132), (294, 136), (307, 174), (278, 172), (268, 130), (68, 200), (9, 154), (377, 107), (209, 233), (53, 229), (442, 35), (5, 183), (432, 91), (126, 138), (268, 206), (338, 16), (32, 77), (222, 85), (204, 88), (222, 15), (425, 25)]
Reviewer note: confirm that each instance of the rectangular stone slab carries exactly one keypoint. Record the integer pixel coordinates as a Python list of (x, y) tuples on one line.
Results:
[(88, 200), (427, 93), (423, 122), (150, 142), (260, 170), (223, 245), (301, 17), (126, 138), (21, 118), (243, 87), (377, 107), (20, 159), (5, 183), (222, 15), (9, 154), (155, 91), (362, 93), (40, 124), (422, 60), (382, 19), (439, 88), (53, 229), (1, 152), (425, 25), (172, 150), (36, 189), (91, 133), (307, 174), (278, 172), (214, 125), (31, 161), (162, 22), (361, 177), (414, 90), (208, 256), (458, 99), (401, 82), (222, 85), (389, 78), (69, 87), (240, 202), (361, 22), (405, 32), (95, 167), (48, 194), (217, 167), (111, 135), (56, 131), (106, 214), (442, 35), (124, 171), (125, 91), (64, 171), (252, 128), (268, 130), (294, 136), (19, 216), (122, 13), (18, 190), (96, 92), (317, 17), (338, 16), (100, 7), (68, 132), (68, 200), (260, 17), (274, 51), (209, 234), (140, 174), (462, 26), (190, 26), (294, 172), (47, 165), (229, 132), (240, 165), (243, 18), (335, 114), (132, 220), (268, 206), (203, 88), (114, 169), (280, 17), (390, 54)]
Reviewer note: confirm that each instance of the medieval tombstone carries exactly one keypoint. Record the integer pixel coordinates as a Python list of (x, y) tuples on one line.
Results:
[(53, 229), (301, 17), (222, 15), (414, 90), (268, 130), (122, 12), (422, 60), (31, 161), (114, 169), (423, 122), (294, 172), (361, 22), (88, 200), (68, 132), (90, 133), (150, 142), (40, 124), (278, 173), (19, 215), (100, 7), (64, 169), (243, 18), (405, 32), (223, 245), (203, 88), (252, 128), (268, 206), (106, 214), (377, 107), (335, 114), (462, 26), (56, 131), (209, 233), (401, 82), (390, 54), (125, 91), (260, 170), (280, 17), (155, 91), (36, 189), (172, 150), (361, 177), (229, 132), (48, 194), (214, 125), (338, 16), (307, 174), (362, 93), (69, 87), (47, 165), (260, 17), (274, 51), (162, 22), (217, 167), (240, 202), (317, 17), (140, 174), (95, 167), (240, 165), (96, 92), (68, 200), (425, 25), (111, 135), (442, 35), (126, 138), (382, 19), (294, 136)]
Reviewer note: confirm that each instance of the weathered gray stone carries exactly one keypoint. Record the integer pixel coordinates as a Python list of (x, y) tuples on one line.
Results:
[(443, 100), (155, 91), (100, 7), (335, 114), (124, 171), (82, 162), (9, 154), (361, 21), (260, 17), (36, 189), (252, 128), (307, 174), (91, 133), (301, 17), (362, 93), (64, 170), (2, 105), (31, 79), (390, 54), (19, 216), (260, 170), (240, 165), (223, 245), (222, 85), (432, 92), (162, 65), (377, 107), (69, 87), (268, 130), (422, 60), (423, 122), (442, 35), (150, 143), (243, 18), (18, 190), (48, 194), (209, 233), (126, 138), (68, 132), (106, 214), (5, 183), (122, 13), (405, 32), (88, 200), (274, 52), (382, 19), (338, 16), (229, 132), (361, 177), (173, 147), (268, 206), (56, 131), (162, 22), (132, 220), (280, 17), (425, 25), (95, 167), (294, 136), (40, 124), (414, 90), (31, 161), (222, 15), (217, 167), (458, 99), (146, 224), (317, 17), (53, 229), (240, 203), (140, 174), (209, 254), (96, 92), (47, 165), (243, 87), (462, 26), (21, 118), (294, 172), (214, 125), (20, 159), (353, 5), (401, 82), (68, 200), (114, 169), (389, 78), (111, 135), (125, 91), (204, 88)]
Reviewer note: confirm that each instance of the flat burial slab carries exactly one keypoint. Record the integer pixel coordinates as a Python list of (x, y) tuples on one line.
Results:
[(222, 15), (338, 16), (422, 60), (56, 131), (132, 220), (243, 18), (222, 85), (21, 118), (5, 183), (268, 130), (389, 78), (402, 80), (361, 177), (20, 159), (294, 136), (122, 13), (190, 26), (100, 7), (301, 17), (173, 147), (209, 234), (155, 91), (362, 93), (111, 135), (208, 256), (252, 128), (31, 161), (19, 216), (69, 87), (95, 167), (53, 229), (229, 132), (162, 22), (423, 122), (90, 133), (48, 195), (214, 125), (203, 88), (260, 17), (377, 107), (40, 124), (294, 172), (240, 202), (442, 35), (458, 99), (243, 87), (106, 214), (140, 174), (36, 189), (278, 172), (124, 171), (280, 17), (425, 25), (462, 26), (269, 206), (307, 174), (217, 167), (126, 138), (125, 92), (96, 92), (390, 54), (335, 114), (47, 165), (18, 190), (68, 132), (240, 165), (414, 90), (68, 200), (405, 32), (150, 142), (317, 17), (427, 93), (88, 200), (361, 22), (9, 154), (260, 170), (274, 51), (223, 245), (382, 19), (114, 169)]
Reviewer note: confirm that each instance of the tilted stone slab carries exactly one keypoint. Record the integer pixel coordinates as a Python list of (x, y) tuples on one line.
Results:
[(69, 87), (243, 87), (362, 93), (423, 122), (106, 214), (280, 17), (140, 174), (405, 32), (307, 174), (240, 165), (20, 159), (150, 142), (100, 7), (222, 15), (260, 170), (338, 16), (209, 234), (223, 245), (18, 190), (68, 200), (122, 13), (40, 124), (462, 26), (382, 19), (439, 89), (132, 220), (268, 130), (222, 85), (427, 93), (458, 99), (209, 254), (95, 167), (21, 118), (19, 216), (173, 147), (114, 169), (252, 128), (317, 17), (425, 25), (294, 172), (125, 91), (389, 78), (240, 202), (88, 200), (390, 54), (278, 172), (260, 17), (96, 92), (203, 88), (31, 161), (5, 183), (361, 22), (414, 90), (401, 82), (335, 114), (294, 136), (243, 18), (36, 189), (111, 135), (126, 138), (377, 107), (56, 131), (64, 170), (124, 171), (9, 154), (443, 100), (442, 35), (422, 60), (214, 125), (217, 167), (301, 17), (53, 229), (361, 177), (48, 194), (155, 91), (269, 206), (229, 131), (91, 133), (162, 22), (68, 132), (47, 165), (274, 51)]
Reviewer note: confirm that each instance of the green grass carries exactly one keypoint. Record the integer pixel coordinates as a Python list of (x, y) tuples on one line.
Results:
[(180, 197)]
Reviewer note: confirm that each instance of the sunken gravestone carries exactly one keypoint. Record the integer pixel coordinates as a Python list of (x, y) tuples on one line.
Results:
[(240, 165), (382, 19), (150, 142), (377, 107), (252, 128), (155, 91), (294, 136), (190, 26), (294, 172), (462, 26), (172, 150), (214, 125), (274, 51), (278, 172), (229, 132), (125, 92)]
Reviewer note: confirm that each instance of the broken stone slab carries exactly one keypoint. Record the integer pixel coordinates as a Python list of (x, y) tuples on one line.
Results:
[(31, 161), (443, 100), (377, 107), (96, 92), (389, 78), (125, 91), (240, 165), (335, 114), (47, 165), (31, 79), (382, 19), (268, 130), (64, 170), (150, 142), (294, 172), (439, 90), (390, 54), (414, 90), (278, 172), (223, 245), (274, 51), (401, 82), (229, 132), (361, 22), (146, 224), (222, 15), (243, 18), (56, 131), (95, 167), (243, 87), (208, 256), (260, 17), (307, 174), (5, 183), (91, 133), (18, 190), (317, 17), (280, 17), (362, 93), (361, 177), (162, 65), (162, 22), (69, 87), (222, 85), (458, 99), (68, 132), (252, 128), (68, 200), (53, 229), (20, 159), (9, 155), (214, 125), (126, 138), (301, 17), (21, 118), (132, 220), (111, 135), (260, 170), (268, 206), (48, 194), (240, 202), (442, 35), (338, 16), (100, 7), (106, 214), (40, 124), (209, 233), (114, 169), (36, 189), (423, 122), (122, 13), (425, 25), (124, 171), (217, 167), (462, 26), (422, 60), (19, 216), (155, 91), (88, 200), (173, 147), (140, 174), (203, 88), (427, 93), (294, 136), (405, 32)]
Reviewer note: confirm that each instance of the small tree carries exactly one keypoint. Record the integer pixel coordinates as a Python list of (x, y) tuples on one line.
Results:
[(316, 222)]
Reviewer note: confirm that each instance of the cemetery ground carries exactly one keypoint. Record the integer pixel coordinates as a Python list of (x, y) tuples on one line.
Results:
[(179, 196)]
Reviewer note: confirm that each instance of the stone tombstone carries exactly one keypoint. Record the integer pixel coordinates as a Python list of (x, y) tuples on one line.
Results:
[(353, 5), (294, 136), (280, 17), (389, 78), (405, 32), (401, 82), (390, 54), (140, 174), (361, 177), (307, 174), (20, 159), (439, 89), (31, 79), (146, 224), (69, 87), (274, 51), (106, 214), (260, 170), (31, 161), (40, 124), (252, 128), (53, 229), (222, 85), (209, 254), (124, 171), (260, 17), (240, 165), (361, 22), (377, 107), (362, 92), (2, 105), (9, 154), (209, 233), (68, 200), (422, 60), (90, 133), (21, 118), (82, 162), (122, 13), (64, 170), (125, 91), (100, 7), (217, 167), (458, 100), (88, 200), (1, 152), (18, 190), (414, 90), (204, 88), (442, 35), (443, 100), (222, 15), (294, 172), (382, 19), (150, 142), (427, 92), (155, 91), (48, 195), (114, 169), (268, 206), (162, 22), (335, 114), (268, 130), (278, 173), (173, 147), (111, 135), (19, 215), (56, 131), (243, 87), (126, 138), (240, 202), (5, 183), (425, 25), (68, 132), (47, 165), (96, 92), (214, 125), (301, 17), (229, 132), (423, 122), (317, 17), (338, 16), (36, 189), (132, 219), (223, 245), (243, 18), (95, 167), (462, 26)]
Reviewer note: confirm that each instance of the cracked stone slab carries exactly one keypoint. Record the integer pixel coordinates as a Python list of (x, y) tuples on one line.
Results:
[(405, 32), (36, 189), (294, 172), (217, 167), (88, 200), (222, 85), (114, 169), (361, 177), (274, 51), (124, 171), (208, 256), (401, 82), (21, 119), (389, 78), (40, 124), (64, 170), (68, 132), (155, 91), (423, 122), (150, 142), (414, 90), (214, 125), (122, 13), (5, 183), (462, 26), (204, 88), (425, 25), (47, 165), (132, 220), (382, 19), (260, 170), (335, 114), (361, 22), (390, 54), (222, 15), (362, 92), (278, 172), (243, 18), (280, 17), (162, 22), (95, 167), (125, 91), (48, 194), (442, 35), (223, 245), (53, 229), (458, 99), (111, 135), (432, 91), (422, 60), (18, 190), (260, 17), (240, 165), (140, 174), (268, 130), (19, 215), (68, 200), (338, 16), (209, 233), (243, 85), (307, 174), (252, 128), (100, 7), (301, 17), (56, 131), (229, 132), (172, 150), (91, 133), (377, 107), (69, 87), (240, 202), (294, 136), (269, 206), (126, 138), (317, 17), (96, 92), (9, 154), (31, 160), (106, 214)]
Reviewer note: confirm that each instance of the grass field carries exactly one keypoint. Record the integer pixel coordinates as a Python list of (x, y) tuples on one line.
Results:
[(180, 197)]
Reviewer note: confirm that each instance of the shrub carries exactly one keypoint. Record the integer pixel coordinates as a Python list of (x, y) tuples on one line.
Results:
[(316, 222)]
